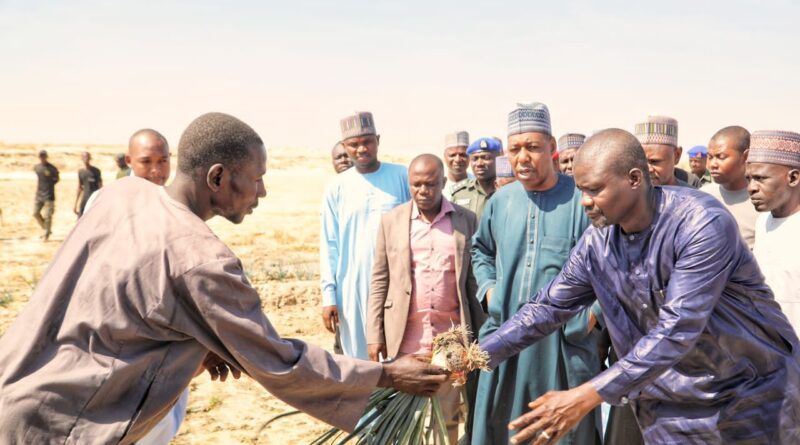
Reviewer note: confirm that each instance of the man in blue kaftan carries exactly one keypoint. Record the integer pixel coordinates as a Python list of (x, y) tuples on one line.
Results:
[(352, 207), (523, 240), (706, 355)]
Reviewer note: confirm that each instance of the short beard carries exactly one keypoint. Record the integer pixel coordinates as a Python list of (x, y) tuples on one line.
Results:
[(601, 223)]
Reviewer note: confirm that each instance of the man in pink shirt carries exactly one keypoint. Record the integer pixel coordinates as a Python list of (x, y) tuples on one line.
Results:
[(422, 280)]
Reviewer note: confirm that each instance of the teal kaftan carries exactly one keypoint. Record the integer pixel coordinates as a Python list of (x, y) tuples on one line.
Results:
[(523, 240)]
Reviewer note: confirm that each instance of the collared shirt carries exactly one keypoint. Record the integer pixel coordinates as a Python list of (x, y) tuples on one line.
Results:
[(706, 178), (434, 289), (471, 195), (705, 351)]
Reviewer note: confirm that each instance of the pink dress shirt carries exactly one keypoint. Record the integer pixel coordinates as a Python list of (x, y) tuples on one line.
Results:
[(434, 293)]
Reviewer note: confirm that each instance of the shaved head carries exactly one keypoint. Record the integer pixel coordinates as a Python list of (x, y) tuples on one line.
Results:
[(611, 171), (426, 160), (425, 182), (614, 150), (146, 137), (737, 137), (148, 156)]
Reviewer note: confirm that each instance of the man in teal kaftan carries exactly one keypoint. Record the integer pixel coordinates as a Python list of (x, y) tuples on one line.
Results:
[(523, 240)]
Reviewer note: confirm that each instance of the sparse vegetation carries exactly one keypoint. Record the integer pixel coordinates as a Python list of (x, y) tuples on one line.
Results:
[(5, 298), (214, 402)]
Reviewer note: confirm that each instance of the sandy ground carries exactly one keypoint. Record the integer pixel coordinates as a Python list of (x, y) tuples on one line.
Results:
[(278, 245)]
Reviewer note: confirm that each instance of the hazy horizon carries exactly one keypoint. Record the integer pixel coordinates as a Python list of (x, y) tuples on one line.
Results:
[(94, 72)]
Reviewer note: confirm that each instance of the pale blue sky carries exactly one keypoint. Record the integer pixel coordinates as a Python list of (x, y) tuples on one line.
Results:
[(91, 71)]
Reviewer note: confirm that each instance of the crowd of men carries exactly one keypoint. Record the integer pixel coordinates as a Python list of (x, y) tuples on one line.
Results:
[(590, 270), (430, 266)]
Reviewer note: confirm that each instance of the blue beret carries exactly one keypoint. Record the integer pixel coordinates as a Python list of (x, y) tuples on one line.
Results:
[(699, 151), (485, 144)]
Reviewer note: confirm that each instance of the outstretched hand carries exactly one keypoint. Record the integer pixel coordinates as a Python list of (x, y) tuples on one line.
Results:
[(412, 375), (554, 414)]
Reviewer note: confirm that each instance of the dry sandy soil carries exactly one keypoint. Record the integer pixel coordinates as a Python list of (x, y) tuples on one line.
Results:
[(277, 244)]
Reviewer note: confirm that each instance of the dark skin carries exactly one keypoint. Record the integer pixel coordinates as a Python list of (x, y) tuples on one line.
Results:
[(340, 159), (482, 164), (43, 159), (661, 160), (232, 192), (565, 161), (697, 164), (609, 197), (121, 162), (774, 188), (531, 159), (425, 182), (726, 164), (363, 151), (456, 161), (148, 156), (502, 182)]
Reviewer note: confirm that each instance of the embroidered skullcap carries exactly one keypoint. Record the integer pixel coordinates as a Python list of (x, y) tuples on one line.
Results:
[(529, 118), (457, 139), (570, 141), (502, 167), (699, 151), (358, 124), (485, 144), (657, 130), (775, 147)]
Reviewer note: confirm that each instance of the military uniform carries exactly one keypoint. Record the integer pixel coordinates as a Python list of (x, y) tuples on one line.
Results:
[(471, 195)]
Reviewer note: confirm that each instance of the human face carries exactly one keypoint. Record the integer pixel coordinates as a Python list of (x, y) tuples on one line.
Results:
[(531, 159), (121, 162), (341, 161), (606, 198), (150, 162), (697, 165), (363, 151), (482, 164), (726, 164), (661, 161), (86, 157), (456, 161), (771, 186), (237, 189), (426, 181), (565, 161)]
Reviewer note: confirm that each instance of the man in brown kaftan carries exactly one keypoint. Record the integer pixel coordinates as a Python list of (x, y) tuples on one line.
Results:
[(142, 289)]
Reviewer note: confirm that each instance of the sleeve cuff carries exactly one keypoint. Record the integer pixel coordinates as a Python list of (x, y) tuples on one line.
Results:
[(495, 347), (612, 386), (484, 288), (328, 297)]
